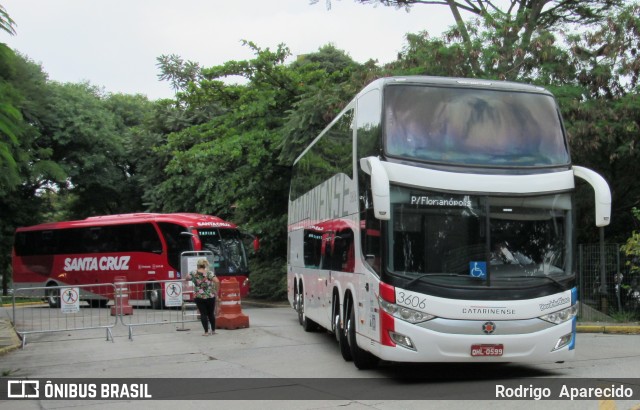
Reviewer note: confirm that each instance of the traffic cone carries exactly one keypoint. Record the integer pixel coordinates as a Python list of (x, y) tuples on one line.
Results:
[(121, 298), (230, 315)]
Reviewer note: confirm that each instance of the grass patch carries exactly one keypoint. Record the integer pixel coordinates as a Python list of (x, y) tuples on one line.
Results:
[(624, 316), (8, 300)]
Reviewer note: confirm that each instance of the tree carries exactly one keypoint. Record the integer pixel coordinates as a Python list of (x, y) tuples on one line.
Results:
[(514, 22), (237, 163), (602, 109), (9, 115), (178, 72)]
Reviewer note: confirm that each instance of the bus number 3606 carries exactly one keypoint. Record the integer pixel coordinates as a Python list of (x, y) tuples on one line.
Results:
[(411, 300)]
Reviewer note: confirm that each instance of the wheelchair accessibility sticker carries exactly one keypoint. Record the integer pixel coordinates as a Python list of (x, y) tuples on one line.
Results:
[(478, 269)]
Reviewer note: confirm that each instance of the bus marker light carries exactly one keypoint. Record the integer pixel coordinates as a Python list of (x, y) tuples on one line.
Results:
[(563, 341)]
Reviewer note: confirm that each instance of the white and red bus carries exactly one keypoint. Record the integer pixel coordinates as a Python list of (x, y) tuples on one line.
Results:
[(140, 247), (433, 221)]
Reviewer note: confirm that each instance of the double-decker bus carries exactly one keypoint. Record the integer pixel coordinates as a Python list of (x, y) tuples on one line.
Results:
[(139, 247), (433, 221)]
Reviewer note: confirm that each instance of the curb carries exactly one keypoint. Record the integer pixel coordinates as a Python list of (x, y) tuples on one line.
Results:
[(264, 303), (609, 329), (9, 340)]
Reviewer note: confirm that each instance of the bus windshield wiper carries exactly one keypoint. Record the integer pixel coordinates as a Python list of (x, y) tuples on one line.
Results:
[(419, 278), (557, 283)]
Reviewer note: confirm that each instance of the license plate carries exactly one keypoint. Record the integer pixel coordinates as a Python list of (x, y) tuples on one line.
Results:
[(487, 350)]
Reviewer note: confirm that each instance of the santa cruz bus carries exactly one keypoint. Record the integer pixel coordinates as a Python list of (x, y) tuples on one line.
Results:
[(140, 247), (433, 220)]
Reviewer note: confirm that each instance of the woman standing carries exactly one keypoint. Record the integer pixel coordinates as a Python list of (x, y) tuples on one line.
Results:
[(206, 286)]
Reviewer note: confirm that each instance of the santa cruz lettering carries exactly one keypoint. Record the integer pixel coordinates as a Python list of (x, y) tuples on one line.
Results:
[(216, 224), (95, 264)]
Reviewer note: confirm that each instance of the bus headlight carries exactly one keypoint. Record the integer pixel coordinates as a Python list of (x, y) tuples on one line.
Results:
[(404, 313), (561, 316)]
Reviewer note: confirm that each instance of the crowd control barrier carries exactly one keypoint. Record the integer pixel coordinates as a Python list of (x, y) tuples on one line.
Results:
[(158, 303), (133, 304), (67, 308)]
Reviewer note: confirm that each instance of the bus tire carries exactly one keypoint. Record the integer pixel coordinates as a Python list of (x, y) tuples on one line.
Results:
[(52, 296), (361, 358), (297, 302), (155, 295), (340, 331)]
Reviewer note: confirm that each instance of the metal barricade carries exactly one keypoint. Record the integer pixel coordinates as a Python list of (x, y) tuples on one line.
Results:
[(67, 308), (156, 303), (83, 307)]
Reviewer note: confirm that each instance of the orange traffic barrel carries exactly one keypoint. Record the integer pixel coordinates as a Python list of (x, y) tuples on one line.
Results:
[(230, 315), (121, 298)]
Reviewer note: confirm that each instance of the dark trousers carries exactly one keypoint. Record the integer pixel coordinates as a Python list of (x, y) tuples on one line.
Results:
[(206, 307)]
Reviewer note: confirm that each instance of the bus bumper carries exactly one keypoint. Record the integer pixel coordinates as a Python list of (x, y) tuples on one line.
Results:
[(433, 346)]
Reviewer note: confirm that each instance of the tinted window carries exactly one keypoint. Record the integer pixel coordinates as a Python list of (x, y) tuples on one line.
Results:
[(98, 239), (473, 126), (176, 242), (228, 250), (329, 156)]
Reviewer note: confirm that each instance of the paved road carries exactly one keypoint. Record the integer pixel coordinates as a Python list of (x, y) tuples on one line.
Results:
[(275, 348)]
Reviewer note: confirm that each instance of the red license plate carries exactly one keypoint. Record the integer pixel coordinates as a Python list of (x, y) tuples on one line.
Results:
[(487, 350)]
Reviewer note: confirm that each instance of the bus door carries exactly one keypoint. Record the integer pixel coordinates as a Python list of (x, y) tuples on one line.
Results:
[(367, 283)]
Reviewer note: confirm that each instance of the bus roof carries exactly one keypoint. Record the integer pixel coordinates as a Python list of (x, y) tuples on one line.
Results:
[(191, 220), (457, 82)]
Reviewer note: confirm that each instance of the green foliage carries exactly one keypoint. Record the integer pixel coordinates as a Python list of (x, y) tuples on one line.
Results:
[(631, 248), (269, 281), (70, 153), (237, 163), (10, 118)]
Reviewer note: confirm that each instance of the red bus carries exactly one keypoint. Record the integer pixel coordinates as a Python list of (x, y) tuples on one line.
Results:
[(140, 247)]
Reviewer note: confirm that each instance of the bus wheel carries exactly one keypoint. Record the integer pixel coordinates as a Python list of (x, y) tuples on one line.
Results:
[(340, 332), (53, 296), (361, 358), (299, 307), (155, 295)]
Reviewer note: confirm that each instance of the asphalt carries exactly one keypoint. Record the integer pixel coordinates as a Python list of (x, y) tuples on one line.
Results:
[(9, 339)]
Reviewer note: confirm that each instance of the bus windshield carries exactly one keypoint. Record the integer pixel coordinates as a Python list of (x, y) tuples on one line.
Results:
[(228, 250), (473, 240), (482, 127)]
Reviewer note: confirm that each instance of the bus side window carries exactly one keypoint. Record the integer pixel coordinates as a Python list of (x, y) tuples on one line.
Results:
[(147, 239), (312, 249), (327, 251), (345, 261), (176, 243)]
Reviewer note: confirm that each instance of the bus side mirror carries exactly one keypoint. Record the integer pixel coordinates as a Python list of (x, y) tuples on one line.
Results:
[(602, 192), (250, 242), (379, 187)]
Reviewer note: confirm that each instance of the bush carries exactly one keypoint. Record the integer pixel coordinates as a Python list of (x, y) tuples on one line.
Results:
[(269, 279)]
